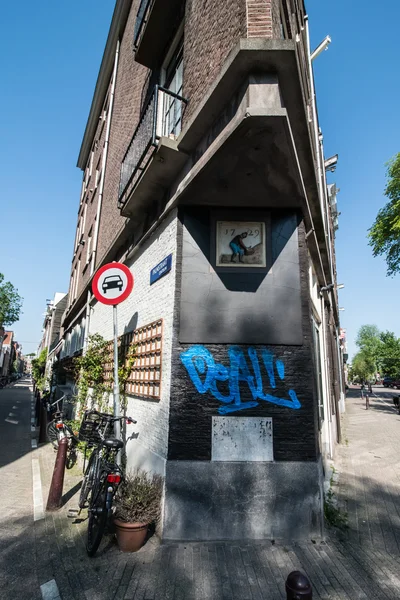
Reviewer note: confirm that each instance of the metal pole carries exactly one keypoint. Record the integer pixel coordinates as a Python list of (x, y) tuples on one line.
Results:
[(117, 412)]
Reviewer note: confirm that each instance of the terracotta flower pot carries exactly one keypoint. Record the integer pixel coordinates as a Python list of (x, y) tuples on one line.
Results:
[(130, 536)]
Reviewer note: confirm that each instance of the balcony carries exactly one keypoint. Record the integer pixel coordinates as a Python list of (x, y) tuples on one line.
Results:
[(156, 23), (152, 159)]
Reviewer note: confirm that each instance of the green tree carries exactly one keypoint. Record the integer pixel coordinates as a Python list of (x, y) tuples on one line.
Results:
[(363, 367), (10, 302), (389, 354), (384, 235), (38, 369), (368, 340)]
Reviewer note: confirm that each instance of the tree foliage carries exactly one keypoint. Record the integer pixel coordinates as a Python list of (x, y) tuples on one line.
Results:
[(38, 369), (10, 302), (379, 352), (384, 235), (363, 367)]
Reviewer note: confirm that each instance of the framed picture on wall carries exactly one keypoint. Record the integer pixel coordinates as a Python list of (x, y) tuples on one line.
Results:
[(240, 244)]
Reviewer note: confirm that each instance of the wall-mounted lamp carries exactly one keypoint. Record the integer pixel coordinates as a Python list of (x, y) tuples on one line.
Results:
[(340, 286), (341, 308), (323, 46), (331, 163)]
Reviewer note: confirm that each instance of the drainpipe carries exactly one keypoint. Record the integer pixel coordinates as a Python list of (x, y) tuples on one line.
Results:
[(87, 322), (315, 124), (104, 161), (327, 395)]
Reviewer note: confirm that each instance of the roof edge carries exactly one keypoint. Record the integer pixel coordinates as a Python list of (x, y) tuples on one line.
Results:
[(117, 27)]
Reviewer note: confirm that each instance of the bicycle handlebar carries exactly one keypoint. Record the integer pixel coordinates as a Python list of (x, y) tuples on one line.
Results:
[(110, 418)]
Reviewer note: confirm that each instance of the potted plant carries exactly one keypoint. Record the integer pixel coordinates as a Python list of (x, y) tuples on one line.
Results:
[(137, 505)]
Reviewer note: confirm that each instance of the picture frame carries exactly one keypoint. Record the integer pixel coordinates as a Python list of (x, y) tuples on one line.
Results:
[(240, 243)]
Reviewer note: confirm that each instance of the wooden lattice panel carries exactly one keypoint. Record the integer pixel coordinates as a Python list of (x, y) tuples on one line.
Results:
[(145, 377)]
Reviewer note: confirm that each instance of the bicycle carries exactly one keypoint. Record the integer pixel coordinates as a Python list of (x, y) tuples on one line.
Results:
[(102, 475), (58, 429)]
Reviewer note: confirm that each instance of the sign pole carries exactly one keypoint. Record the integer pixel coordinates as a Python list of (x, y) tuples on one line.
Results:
[(117, 412)]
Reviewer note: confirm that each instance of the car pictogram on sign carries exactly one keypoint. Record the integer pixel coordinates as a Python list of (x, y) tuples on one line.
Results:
[(113, 281)]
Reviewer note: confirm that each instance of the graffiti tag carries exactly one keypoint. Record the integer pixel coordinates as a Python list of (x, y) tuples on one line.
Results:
[(206, 374)]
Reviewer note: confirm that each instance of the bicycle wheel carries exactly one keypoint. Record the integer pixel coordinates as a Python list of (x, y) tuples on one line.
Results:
[(97, 520), (52, 434), (88, 480)]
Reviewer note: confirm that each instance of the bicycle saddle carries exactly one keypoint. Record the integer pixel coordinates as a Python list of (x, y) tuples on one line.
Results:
[(113, 443)]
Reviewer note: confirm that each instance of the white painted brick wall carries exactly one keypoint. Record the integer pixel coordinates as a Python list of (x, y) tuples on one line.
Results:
[(147, 303)]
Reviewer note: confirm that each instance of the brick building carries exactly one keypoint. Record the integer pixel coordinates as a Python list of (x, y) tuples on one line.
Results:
[(202, 159)]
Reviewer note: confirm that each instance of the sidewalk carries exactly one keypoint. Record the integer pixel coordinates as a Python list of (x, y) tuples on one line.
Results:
[(362, 563)]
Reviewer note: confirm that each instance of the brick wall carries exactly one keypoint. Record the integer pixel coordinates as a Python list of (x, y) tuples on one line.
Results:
[(147, 303), (131, 78), (191, 411), (89, 202), (259, 18), (212, 29)]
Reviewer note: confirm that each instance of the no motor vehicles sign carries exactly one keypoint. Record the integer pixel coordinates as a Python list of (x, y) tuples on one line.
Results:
[(112, 283)]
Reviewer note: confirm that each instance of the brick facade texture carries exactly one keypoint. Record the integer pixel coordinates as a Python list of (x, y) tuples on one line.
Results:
[(295, 431), (212, 29), (259, 18)]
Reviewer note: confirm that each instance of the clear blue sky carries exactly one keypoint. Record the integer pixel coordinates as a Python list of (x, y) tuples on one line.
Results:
[(51, 53)]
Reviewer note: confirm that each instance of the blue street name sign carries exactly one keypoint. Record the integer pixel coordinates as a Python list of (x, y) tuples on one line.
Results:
[(161, 269)]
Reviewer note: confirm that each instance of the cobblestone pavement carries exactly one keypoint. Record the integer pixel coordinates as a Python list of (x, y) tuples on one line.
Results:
[(361, 563)]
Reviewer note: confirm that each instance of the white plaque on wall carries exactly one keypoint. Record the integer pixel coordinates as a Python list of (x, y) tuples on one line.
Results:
[(243, 439)]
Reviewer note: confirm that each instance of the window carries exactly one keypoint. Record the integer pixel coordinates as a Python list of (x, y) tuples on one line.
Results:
[(172, 110), (98, 173), (89, 246)]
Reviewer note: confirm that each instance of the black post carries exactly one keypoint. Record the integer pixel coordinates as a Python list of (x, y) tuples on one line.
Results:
[(298, 587), (56, 487)]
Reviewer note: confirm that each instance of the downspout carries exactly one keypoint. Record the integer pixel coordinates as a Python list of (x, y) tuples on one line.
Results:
[(104, 161), (328, 412), (87, 322), (315, 124)]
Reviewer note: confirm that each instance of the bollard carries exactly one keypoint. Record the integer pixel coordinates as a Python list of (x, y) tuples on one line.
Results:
[(56, 487), (298, 587), (37, 409), (43, 424)]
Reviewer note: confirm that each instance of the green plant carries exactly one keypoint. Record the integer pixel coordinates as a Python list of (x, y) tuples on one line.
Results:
[(333, 515), (90, 372), (126, 361), (139, 498), (38, 370)]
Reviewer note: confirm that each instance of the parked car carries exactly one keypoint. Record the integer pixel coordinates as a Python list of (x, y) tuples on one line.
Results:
[(395, 384), (387, 381)]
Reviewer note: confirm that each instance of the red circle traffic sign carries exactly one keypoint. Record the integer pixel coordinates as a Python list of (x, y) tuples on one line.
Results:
[(112, 283)]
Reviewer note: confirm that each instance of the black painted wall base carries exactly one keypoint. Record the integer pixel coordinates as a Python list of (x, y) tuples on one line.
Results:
[(243, 501)]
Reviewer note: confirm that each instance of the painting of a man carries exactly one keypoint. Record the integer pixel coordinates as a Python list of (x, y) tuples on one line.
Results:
[(238, 246)]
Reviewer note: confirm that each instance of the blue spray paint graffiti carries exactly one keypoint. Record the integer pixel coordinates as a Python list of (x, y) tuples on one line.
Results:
[(205, 374)]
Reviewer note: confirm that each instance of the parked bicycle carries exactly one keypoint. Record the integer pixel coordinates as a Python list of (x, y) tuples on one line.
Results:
[(103, 475), (58, 429)]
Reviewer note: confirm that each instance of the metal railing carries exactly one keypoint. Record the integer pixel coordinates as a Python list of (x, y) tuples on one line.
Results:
[(162, 116), (141, 19)]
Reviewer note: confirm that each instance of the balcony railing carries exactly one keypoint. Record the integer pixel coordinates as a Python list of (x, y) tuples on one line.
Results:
[(141, 18), (161, 117)]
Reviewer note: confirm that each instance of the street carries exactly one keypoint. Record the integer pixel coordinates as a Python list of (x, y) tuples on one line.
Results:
[(361, 562)]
